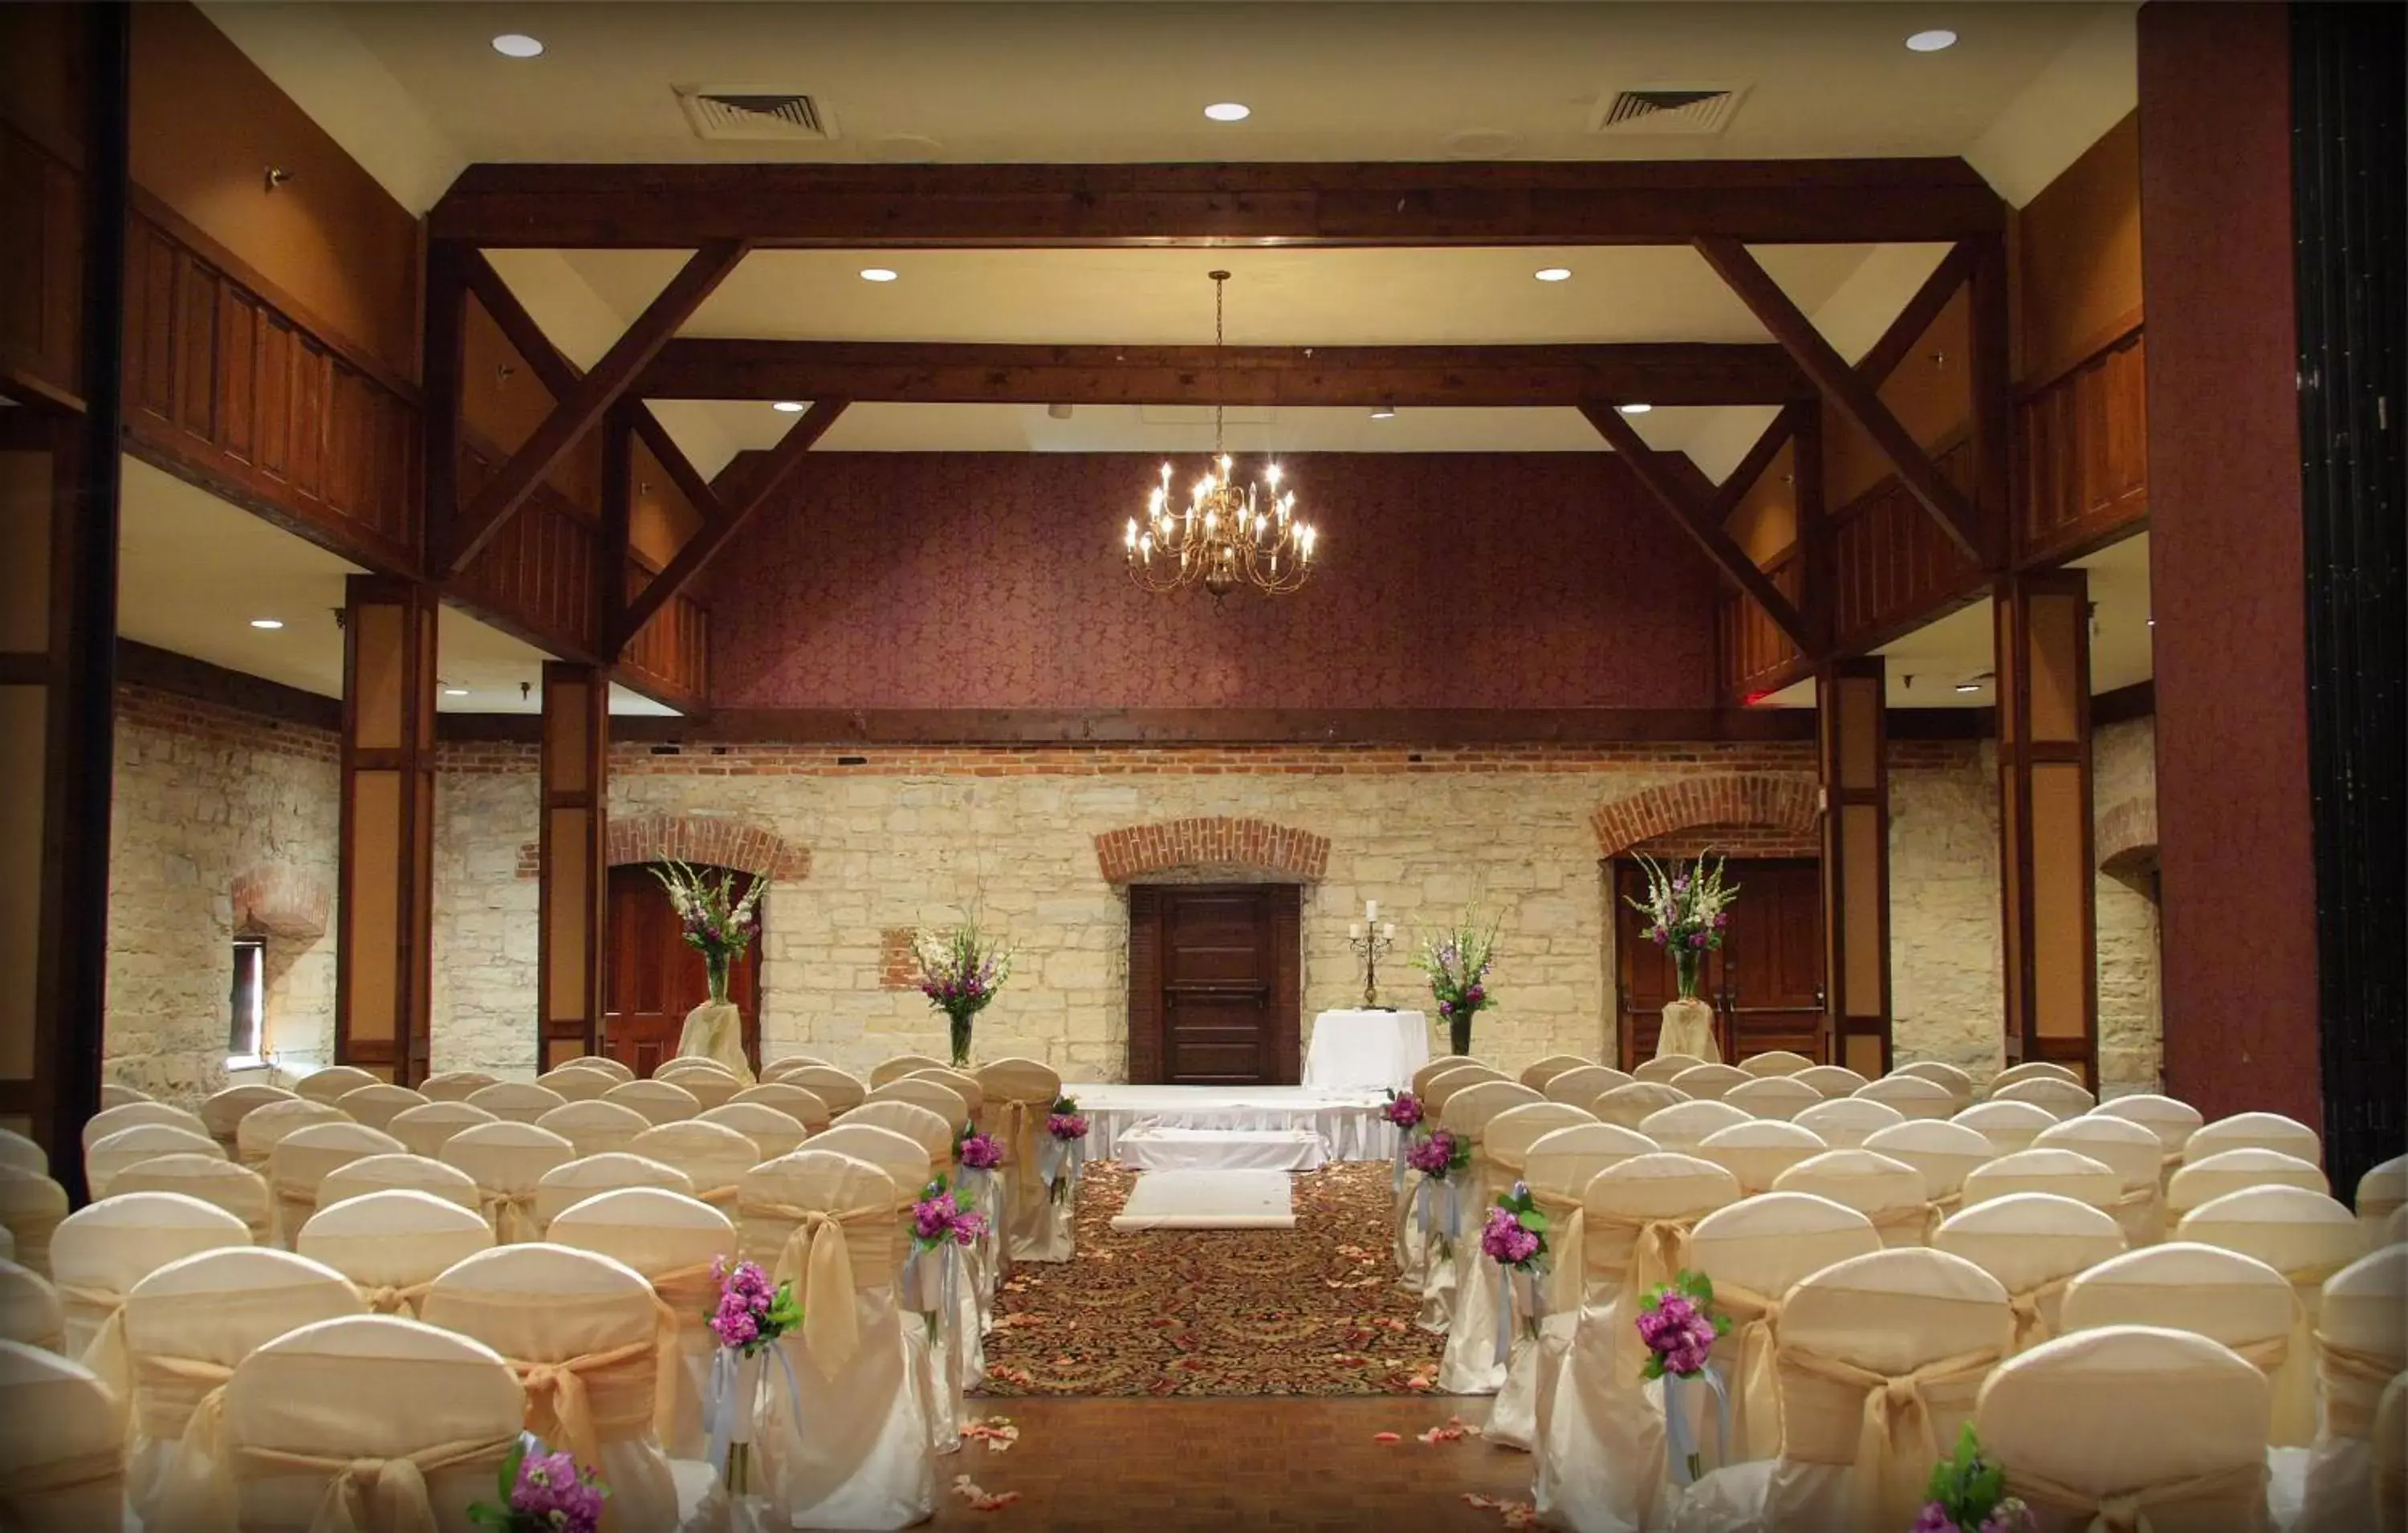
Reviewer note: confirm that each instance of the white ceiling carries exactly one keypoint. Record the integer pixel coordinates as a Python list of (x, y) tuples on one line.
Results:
[(193, 570)]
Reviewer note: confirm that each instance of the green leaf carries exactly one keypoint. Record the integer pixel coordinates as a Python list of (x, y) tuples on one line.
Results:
[(1534, 1220), (507, 1479)]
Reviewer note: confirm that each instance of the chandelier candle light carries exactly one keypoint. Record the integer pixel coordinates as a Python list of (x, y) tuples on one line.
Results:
[(1225, 536), (1370, 938)]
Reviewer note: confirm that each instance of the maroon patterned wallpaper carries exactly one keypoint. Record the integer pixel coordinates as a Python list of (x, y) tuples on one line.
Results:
[(996, 580)]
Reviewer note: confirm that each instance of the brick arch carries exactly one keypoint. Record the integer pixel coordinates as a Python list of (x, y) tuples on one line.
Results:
[(2126, 839), (277, 899), (1783, 803), (711, 840), (1218, 842)]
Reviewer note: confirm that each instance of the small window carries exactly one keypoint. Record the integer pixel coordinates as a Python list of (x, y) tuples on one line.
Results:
[(245, 1029)]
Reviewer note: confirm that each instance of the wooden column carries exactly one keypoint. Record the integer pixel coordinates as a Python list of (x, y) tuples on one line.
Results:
[(1851, 711), (2050, 918), (384, 943), (573, 864)]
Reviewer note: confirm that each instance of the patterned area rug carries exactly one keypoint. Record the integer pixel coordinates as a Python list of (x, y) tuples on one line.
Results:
[(1310, 1311)]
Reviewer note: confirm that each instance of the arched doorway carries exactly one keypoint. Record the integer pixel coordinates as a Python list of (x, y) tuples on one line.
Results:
[(654, 978)]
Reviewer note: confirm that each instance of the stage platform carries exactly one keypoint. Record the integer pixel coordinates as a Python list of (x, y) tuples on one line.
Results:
[(1348, 1122)]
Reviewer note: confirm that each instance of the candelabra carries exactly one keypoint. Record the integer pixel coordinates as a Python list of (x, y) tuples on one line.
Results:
[(1371, 938)]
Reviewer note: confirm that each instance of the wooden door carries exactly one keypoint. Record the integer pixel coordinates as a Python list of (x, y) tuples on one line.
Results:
[(1766, 984), (654, 978), (1214, 976)]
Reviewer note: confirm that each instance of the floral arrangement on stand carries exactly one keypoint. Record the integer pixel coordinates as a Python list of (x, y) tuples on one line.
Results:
[(714, 920), (960, 970), (1065, 1149), (542, 1492), (1515, 1239), (1438, 1158), (1457, 960), (1679, 1325), (752, 1314), (942, 1220), (1968, 1493), (1688, 911)]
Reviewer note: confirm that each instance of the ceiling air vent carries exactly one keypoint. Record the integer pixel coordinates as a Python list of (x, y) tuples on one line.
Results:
[(1667, 108), (740, 112)]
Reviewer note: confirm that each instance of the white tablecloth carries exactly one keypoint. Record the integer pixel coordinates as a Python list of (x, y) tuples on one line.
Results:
[(1155, 1147), (1366, 1051)]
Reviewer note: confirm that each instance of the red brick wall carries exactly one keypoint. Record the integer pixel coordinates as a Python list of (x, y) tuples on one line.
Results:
[(996, 580), (216, 723)]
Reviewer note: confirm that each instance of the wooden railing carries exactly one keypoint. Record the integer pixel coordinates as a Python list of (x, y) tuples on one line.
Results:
[(1753, 652), (41, 280), (2082, 451), (542, 569), (673, 650)]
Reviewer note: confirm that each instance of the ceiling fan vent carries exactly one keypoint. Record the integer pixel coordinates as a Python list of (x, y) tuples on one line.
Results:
[(739, 112), (1694, 110)]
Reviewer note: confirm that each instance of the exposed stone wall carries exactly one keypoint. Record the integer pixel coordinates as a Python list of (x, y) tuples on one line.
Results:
[(1947, 994), (223, 822), (485, 909), (2124, 802)]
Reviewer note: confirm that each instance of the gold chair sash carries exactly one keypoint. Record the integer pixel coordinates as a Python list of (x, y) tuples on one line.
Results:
[(1022, 1127), (2353, 1388), (511, 1214), (1567, 1254), (2128, 1512), (1755, 1384), (820, 1257), (168, 1390), (57, 1476), (386, 1299), (374, 1495), (1659, 1248), (1896, 1442), (2031, 1325), (580, 1402)]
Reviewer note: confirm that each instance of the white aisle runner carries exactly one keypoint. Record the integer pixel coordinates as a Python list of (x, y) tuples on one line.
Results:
[(1207, 1200)]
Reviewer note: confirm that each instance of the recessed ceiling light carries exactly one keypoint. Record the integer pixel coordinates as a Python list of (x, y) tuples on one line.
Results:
[(1932, 41), (517, 45), (788, 406), (878, 274), (1969, 686), (1228, 112), (1383, 412), (1634, 410), (1553, 274), (455, 692), (267, 623)]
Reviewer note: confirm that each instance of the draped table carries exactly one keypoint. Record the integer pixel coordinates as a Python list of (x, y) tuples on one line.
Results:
[(1366, 1051)]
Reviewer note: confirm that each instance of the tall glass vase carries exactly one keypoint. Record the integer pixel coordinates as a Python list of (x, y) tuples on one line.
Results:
[(961, 1041), (1458, 1029), (715, 966), (1686, 962)]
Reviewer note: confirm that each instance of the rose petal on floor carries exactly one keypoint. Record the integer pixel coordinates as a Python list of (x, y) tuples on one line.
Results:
[(1387, 1437)]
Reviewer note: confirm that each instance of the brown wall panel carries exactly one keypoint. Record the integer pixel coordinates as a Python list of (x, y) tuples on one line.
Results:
[(41, 279), (2078, 253), (1930, 392)]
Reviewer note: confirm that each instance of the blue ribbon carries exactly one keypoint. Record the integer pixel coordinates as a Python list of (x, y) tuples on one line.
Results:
[(1678, 1447), (1505, 1276), (720, 1405)]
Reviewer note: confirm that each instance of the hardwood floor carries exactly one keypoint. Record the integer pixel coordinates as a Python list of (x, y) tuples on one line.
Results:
[(1104, 1466)]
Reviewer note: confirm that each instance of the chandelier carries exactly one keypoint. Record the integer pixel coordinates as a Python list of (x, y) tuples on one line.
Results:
[(1225, 536)]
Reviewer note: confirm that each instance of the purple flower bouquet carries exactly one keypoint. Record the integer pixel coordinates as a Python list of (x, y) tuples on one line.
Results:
[(976, 1152), (1515, 1239), (1404, 1110), (751, 1313), (960, 971), (1968, 1494), (542, 1492), (1068, 1127), (1678, 1323)]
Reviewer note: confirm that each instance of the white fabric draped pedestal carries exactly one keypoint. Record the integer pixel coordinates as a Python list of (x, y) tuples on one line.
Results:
[(1366, 1050), (1689, 1030), (716, 1031)]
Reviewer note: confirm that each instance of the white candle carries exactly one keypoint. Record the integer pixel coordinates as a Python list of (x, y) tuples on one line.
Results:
[(1371, 909), (1353, 930), (1388, 930)]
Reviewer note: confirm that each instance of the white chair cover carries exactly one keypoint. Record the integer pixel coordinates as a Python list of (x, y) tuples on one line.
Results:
[(1469, 1364), (2008, 1126), (31, 1206), (366, 1423), (187, 1326), (564, 1186), (1945, 1153), (1831, 1082), (2206, 1180), (1709, 1082), (773, 1133), (377, 1105), (615, 1069), (708, 1082), (1912, 1094), (714, 1157), (587, 1338), (842, 1093), (1887, 1192), (2255, 1130), (1754, 1253), (2173, 1123), (507, 1160), (1660, 1069), (1879, 1359), (1776, 1062), (1757, 1153), (2306, 1237), (382, 1173), (2034, 1243), (304, 1159), (1600, 1453), (784, 1063), (2060, 1100), (215, 1181), (113, 1094), (2035, 1070), (454, 1086), (2065, 1172), (2137, 1156), (2391, 1457), (516, 1102), (859, 1455), (116, 1120), (61, 1459), (1018, 1095), (1582, 1084), (672, 1240), (130, 1147), (29, 1309), (425, 1130), (1962, 1089), (1776, 1096), (896, 1066), (1512, 1135), (1845, 1123), (931, 1130), (394, 1244), (920, 1092), (2361, 1345), (332, 1083), (17, 1151), (2185, 1287), (2131, 1427), (266, 1127), (1683, 1125), (804, 1107), (595, 1126), (1443, 1063), (2383, 1189), (960, 1083), (1629, 1106), (574, 1083), (103, 1250)]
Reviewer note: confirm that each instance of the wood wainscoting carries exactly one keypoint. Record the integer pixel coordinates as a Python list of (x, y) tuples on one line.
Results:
[(1215, 985)]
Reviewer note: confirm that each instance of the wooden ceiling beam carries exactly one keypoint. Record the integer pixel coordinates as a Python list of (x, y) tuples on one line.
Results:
[(1739, 480), (1604, 202), (1847, 389), (595, 391), (708, 540), (1653, 473), (925, 372)]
